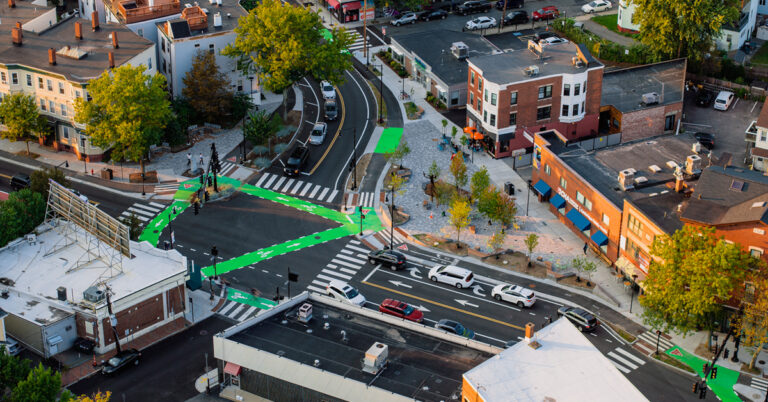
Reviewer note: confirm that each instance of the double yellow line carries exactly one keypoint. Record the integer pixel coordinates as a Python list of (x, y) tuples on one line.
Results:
[(338, 130)]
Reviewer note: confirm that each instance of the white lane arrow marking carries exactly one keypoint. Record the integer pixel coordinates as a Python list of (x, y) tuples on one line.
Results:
[(415, 272), (422, 308), (478, 290), (398, 283), (466, 303)]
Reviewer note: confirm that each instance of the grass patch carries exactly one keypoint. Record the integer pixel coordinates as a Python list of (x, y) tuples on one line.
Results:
[(761, 56), (443, 244), (622, 333), (610, 22), (672, 362), (413, 111), (381, 103)]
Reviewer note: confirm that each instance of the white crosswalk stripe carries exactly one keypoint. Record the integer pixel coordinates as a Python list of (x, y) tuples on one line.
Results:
[(343, 266), (227, 168), (650, 337), (357, 41), (760, 384), (624, 360), (165, 188), (143, 211), (296, 187), (237, 311), (397, 238)]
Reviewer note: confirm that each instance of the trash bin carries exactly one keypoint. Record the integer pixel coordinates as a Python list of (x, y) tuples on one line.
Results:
[(509, 188), (106, 174)]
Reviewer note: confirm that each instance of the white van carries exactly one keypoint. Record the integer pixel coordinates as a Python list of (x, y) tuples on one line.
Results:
[(724, 100), (452, 275)]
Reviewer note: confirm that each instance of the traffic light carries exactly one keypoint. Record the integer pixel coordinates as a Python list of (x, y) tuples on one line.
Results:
[(197, 207), (704, 369), (214, 251), (695, 387), (714, 372)]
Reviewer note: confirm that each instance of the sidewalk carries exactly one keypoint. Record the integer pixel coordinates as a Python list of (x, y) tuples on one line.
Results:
[(604, 32)]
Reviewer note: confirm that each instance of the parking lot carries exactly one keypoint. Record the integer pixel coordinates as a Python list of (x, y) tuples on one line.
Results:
[(728, 127)]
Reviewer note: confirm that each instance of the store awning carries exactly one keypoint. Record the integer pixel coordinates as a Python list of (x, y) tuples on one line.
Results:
[(599, 238), (542, 188), (333, 4), (232, 368), (557, 201), (578, 219), (354, 5)]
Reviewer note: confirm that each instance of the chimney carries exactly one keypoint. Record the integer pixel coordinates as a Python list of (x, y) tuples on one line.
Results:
[(529, 330), (679, 184), (79, 30), (114, 40), (95, 21), (111, 60), (11, 3), (52, 56), (16, 35)]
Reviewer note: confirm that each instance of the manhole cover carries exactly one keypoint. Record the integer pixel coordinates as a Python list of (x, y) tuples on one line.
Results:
[(317, 237), (203, 332)]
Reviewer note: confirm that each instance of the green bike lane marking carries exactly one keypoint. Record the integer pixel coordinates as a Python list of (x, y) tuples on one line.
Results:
[(295, 203), (722, 386), (246, 298), (389, 140), (155, 227)]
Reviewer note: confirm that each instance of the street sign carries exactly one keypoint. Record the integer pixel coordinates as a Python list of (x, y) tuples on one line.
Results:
[(403, 247)]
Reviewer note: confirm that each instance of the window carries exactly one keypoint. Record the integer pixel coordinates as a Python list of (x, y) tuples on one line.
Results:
[(14, 78), (77, 94), (545, 92), (149, 63), (763, 136), (197, 45), (29, 80), (582, 108), (472, 78), (472, 99), (480, 83), (606, 219), (588, 204), (52, 106), (513, 98), (65, 131), (485, 116), (162, 44), (40, 82), (565, 110), (755, 252), (3, 78), (633, 250), (584, 87), (493, 120), (49, 84), (61, 87), (577, 90), (547, 169), (239, 85), (567, 90), (486, 95), (543, 112), (563, 183), (580, 197), (512, 119), (164, 69), (749, 292), (575, 109), (454, 98), (669, 123), (211, 49), (63, 109), (635, 226), (493, 99), (42, 104), (479, 104)]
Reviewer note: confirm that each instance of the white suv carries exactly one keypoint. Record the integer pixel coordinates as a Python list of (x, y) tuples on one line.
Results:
[(407, 18), (724, 100), (341, 290), (514, 294), (452, 275)]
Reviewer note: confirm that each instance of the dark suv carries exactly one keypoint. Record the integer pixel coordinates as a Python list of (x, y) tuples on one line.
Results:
[(471, 7), (582, 319), (296, 161), (393, 259), (20, 181), (510, 4), (516, 17)]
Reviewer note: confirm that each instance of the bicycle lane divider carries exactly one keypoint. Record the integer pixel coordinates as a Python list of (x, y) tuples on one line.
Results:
[(722, 386), (246, 298), (155, 227)]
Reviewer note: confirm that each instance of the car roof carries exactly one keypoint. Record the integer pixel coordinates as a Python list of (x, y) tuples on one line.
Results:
[(337, 283), (724, 94), (446, 321), (458, 270), (319, 126)]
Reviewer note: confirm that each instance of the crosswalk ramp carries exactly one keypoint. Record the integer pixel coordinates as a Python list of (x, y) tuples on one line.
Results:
[(357, 41), (361, 199), (166, 188), (647, 342), (382, 238), (227, 168), (144, 211), (237, 311), (759, 383), (342, 267), (298, 188), (624, 360)]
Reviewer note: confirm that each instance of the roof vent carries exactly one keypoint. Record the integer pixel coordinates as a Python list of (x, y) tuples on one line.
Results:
[(640, 180), (758, 204), (696, 147), (626, 179), (577, 62), (460, 50), (375, 358), (531, 71), (651, 98), (654, 168), (673, 165), (217, 20), (305, 312)]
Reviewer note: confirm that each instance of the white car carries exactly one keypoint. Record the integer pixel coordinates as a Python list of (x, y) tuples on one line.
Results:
[(328, 91), (341, 290), (317, 136), (480, 23), (724, 100), (514, 294), (596, 6), (552, 40), (407, 18), (452, 275)]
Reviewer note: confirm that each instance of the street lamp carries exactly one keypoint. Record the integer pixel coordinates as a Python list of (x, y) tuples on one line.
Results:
[(528, 198), (65, 163), (142, 184), (632, 292)]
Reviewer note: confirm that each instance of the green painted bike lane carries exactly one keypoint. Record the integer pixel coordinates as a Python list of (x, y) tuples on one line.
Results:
[(389, 140), (722, 386), (249, 299), (154, 228)]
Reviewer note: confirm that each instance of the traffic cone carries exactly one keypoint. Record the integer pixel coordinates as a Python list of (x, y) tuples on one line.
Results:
[(94, 360)]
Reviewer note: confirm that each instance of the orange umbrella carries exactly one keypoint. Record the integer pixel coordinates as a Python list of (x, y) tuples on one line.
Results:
[(477, 136), (469, 130)]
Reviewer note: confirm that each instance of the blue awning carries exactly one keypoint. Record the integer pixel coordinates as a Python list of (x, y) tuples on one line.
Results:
[(578, 219), (600, 238), (557, 201), (542, 188)]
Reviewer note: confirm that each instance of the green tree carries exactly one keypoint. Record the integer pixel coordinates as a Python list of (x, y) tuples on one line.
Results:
[(479, 183), (682, 28), (20, 214), (12, 370), (496, 241), (95, 397), (434, 174), (458, 171), (128, 112), (260, 126), (504, 209), (18, 112), (444, 122), (531, 241), (206, 88), (753, 323), (41, 384), (691, 274), (395, 187), (134, 226), (397, 156), (454, 130), (39, 180), (459, 216), (241, 104), (486, 202), (444, 192), (583, 266), (282, 44)]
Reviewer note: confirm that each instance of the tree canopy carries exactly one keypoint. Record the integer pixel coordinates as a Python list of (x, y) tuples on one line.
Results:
[(39, 180), (753, 322), (459, 216), (206, 88), (281, 44), (479, 182), (18, 112), (127, 112), (20, 214)]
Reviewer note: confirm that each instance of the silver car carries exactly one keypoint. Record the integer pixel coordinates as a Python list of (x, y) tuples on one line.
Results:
[(317, 136), (407, 18)]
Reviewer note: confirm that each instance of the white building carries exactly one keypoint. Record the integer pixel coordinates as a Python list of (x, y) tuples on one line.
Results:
[(757, 141), (626, 11)]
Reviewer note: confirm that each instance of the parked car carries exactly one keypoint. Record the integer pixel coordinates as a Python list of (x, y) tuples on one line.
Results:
[(331, 110), (516, 17), (724, 100), (296, 161), (552, 40), (407, 18), (433, 15), (480, 23), (329, 92), (582, 319), (539, 36), (546, 13), (20, 181), (317, 135), (471, 7), (401, 309), (455, 328), (704, 98), (12, 346), (452, 275), (510, 4), (596, 6), (120, 361), (342, 291), (707, 140), (84, 345), (514, 294), (390, 258)]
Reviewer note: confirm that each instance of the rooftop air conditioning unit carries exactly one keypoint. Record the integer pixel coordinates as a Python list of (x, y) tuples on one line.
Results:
[(577, 62), (651, 98), (640, 180), (217, 20), (375, 358), (654, 168), (305, 312), (93, 294), (696, 147), (531, 71), (460, 50), (693, 164), (626, 179), (672, 165)]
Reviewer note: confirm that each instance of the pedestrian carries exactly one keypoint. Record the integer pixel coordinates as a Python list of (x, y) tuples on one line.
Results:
[(174, 210), (585, 248), (165, 245), (202, 162), (189, 160)]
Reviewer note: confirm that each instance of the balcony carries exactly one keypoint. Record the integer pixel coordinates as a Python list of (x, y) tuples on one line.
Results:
[(132, 11), (751, 132)]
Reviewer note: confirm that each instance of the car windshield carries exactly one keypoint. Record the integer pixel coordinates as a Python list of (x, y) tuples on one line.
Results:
[(327, 87), (720, 101), (316, 133), (540, 11), (352, 293), (407, 310), (292, 161), (330, 107), (593, 4), (114, 362)]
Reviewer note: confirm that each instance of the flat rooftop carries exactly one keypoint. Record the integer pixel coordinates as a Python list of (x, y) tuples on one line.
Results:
[(506, 68), (623, 89), (32, 277), (230, 11), (421, 367), (24, 12)]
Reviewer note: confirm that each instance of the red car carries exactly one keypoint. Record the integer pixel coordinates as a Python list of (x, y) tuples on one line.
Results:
[(402, 310), (546, 13)]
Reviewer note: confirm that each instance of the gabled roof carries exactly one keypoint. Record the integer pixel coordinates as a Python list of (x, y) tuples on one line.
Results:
[(762, 120), (729, 195)]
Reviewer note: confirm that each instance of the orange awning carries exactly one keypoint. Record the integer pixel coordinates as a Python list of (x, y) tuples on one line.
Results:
[(232, 368), (477, 136)]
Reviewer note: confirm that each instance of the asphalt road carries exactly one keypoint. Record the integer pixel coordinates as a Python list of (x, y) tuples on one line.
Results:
[(167, 370)]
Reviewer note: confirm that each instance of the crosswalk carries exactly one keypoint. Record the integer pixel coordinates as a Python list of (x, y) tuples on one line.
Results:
[(237, 311), (361, 199), (647, 342), (759, 383), (166, 188), (357, 41), (381, 238), (144, 211), (299, 188), (227, 168), (624, 360), (342, 267)]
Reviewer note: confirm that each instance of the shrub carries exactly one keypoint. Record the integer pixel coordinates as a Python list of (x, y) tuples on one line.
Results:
[(280, 148), (262, 162)]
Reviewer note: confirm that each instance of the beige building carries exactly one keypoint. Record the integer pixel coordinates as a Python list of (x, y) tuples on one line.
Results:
[(53, 62)]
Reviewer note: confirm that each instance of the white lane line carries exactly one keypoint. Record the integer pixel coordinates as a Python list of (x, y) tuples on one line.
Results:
[(360, 249), (340, 275), (347, 252), (306, 189), (622, 360), (312, 194), (230, 305), (233, 314), (319, 283), (148, 208), (332, 196), (619, 366), (329, 279), (491, 338), (351, 259), (263, 177), (141, 218), (371, 273), (325, 190), (630, 356), (248, 313), (141, 211), (332, 266), (270, 181), (278, 184), (356, 267), (355, 242), (349, 271)]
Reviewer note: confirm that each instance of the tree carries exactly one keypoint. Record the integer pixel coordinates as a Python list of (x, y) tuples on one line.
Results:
[(282, 44), (260, 126), (18, 112), (12, 370), (134, 226), (496, 241), (175, 132), (479, 183), (20, 214), (395, 187), (443, 192), (692, 273), (444, 122), (583, 265), (206, 88), (128, 112), (497, 206), (459, 171), (240, 104), (408, 4), (531, 241), (39, 180), (434, 174), (399, 154), (41, 384), (753, 323), (95, 397), (682, 28), (459, 216)]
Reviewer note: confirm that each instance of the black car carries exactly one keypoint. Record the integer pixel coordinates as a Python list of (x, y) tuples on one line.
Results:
[(471, 7), (120, 361), (544, 35), (296, 161), (582, 319), (84, 345), (20, 181), (433, 15), (704, 98), (392, 259), (510, 4), (516, 17), (707, 140)]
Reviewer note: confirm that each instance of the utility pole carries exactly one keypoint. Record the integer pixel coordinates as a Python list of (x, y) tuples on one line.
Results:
[(362, 217), (112, 320), (365, 33), (503, 14), (381, 92)]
